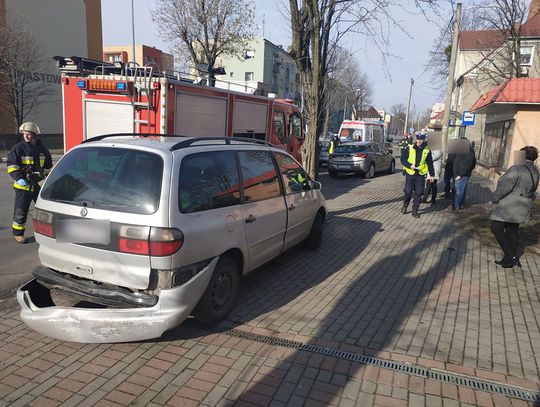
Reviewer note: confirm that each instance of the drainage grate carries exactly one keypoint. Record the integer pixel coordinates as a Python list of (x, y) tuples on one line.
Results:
[(402, 367)]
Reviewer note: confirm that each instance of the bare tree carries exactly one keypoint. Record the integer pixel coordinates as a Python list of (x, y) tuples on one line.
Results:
[(317, 26), (506, 18), (21, 58), (398, 111), (206, 29)]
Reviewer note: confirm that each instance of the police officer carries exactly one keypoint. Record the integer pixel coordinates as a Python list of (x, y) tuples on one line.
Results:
[(26, 163), (417, 162)]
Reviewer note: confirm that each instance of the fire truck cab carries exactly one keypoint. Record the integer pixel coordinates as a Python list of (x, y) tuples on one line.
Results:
[(104, 98)]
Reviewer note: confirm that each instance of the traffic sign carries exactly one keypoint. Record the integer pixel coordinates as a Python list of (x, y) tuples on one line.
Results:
[(468, 118)]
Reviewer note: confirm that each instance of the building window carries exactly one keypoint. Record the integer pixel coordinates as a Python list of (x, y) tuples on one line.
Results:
[(526, 53), (249, 76), (115, 58), (150, 59)]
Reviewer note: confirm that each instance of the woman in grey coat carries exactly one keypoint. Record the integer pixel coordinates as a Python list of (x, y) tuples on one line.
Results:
[(512, 202)]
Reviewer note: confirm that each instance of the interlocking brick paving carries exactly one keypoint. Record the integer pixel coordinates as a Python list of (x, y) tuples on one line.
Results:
[(382, 283)]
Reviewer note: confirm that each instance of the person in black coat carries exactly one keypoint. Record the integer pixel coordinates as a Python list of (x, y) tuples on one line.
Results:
[(464, 164)]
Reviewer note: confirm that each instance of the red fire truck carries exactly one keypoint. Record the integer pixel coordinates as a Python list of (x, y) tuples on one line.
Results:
[(104, 98)]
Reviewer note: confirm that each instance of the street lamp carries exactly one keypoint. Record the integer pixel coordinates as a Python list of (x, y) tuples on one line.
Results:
[(345, 102)]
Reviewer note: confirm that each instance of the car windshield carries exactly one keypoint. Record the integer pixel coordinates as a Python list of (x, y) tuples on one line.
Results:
[(349, 149), (107, 178)]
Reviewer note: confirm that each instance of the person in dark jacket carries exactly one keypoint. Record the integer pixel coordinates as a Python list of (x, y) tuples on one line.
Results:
[(26, 164), (512, 202), (449, 177), (463, 166), (417, 162)]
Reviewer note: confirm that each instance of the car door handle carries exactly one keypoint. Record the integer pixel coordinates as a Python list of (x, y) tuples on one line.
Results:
[(251, 219), (291, 207)]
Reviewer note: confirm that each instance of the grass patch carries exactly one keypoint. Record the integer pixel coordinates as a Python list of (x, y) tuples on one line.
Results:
[(475, 222)]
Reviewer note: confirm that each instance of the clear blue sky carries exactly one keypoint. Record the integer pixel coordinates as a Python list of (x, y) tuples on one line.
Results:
[(409, 55)]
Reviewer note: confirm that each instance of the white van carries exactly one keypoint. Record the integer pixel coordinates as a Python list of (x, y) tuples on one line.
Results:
[(357, 130)]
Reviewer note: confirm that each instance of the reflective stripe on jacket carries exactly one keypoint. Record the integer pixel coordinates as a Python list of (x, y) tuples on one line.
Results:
[(422, 167)]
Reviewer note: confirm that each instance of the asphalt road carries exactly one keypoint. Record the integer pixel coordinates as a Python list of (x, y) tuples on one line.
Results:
[(17, 260)]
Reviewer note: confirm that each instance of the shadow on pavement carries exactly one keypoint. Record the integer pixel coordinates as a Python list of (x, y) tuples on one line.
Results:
[(376, 303), (294, 272)]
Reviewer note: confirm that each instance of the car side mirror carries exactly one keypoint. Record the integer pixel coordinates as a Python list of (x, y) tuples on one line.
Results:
[(315, 185)]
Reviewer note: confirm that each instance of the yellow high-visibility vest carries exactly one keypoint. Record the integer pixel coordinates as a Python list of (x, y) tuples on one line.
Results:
[(423, 167)]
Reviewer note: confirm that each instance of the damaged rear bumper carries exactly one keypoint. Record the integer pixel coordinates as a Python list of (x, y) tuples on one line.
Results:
[(108, 325)]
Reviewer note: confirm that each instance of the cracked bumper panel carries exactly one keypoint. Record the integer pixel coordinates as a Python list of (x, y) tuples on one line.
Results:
[(107, 325)]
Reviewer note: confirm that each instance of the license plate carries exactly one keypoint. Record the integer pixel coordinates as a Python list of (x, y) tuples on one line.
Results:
[(343, 167), (83, 231)]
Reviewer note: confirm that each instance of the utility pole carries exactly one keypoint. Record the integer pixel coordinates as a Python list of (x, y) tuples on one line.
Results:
[(133, 31), (450, 84), (406, 129)]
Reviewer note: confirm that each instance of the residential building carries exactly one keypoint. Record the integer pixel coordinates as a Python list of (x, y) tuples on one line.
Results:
[(60, 27), (483, 61), (512, 114), (144, 55), (263, 66)]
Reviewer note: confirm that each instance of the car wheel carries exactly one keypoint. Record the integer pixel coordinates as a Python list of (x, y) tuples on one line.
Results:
[(313, 241), (392, 167), (332, 173), (370, 172), (220, 295)]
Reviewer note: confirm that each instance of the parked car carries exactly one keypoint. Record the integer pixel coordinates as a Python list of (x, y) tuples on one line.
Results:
[(361, 157), (139, 233)]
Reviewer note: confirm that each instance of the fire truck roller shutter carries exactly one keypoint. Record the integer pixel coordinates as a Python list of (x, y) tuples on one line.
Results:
[(107, 117), (200, 116), (250, 119)]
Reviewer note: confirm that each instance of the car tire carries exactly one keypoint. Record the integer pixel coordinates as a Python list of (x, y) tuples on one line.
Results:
[(392, 167), (370, 172), (313, 241), (220, 295), (332, 173)]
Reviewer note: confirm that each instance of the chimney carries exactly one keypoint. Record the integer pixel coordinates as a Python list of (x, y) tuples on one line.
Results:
[(534, 9)]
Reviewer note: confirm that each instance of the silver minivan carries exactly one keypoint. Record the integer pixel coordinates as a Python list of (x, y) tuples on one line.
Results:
[(137, 233)]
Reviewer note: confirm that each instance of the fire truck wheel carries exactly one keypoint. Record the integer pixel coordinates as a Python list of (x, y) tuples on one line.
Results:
[(220, 295)]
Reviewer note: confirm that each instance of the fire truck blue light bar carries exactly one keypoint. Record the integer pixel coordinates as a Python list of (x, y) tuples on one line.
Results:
[(81, 84), (121, 86)]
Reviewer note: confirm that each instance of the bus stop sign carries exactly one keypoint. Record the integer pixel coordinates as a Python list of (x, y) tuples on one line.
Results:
[(468, 118)]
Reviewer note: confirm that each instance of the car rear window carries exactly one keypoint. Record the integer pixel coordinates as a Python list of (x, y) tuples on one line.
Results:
[(348, 149), (108, 178)]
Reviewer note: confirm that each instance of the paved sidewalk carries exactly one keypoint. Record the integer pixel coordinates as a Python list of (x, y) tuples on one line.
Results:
[(382, 284)]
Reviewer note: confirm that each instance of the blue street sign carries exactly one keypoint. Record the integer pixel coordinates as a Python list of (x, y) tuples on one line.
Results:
[(468, 118)]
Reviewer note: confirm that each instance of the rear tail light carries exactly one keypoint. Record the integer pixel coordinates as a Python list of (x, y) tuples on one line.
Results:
[(360, 155), (42, 223), (149, 241), (164, 241)]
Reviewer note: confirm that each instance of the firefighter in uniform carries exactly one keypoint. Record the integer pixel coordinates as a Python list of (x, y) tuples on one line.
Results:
[(26, 164), (417, 162)]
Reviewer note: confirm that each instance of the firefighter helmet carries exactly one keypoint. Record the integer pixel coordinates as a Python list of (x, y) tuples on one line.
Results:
[(29, 126)]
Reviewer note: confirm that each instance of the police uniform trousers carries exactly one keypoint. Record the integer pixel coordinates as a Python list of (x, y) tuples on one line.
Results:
[(414, 188), (23, 199)]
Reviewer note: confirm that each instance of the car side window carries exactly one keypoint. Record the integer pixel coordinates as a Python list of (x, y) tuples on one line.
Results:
[(208, 181), (259, 175), (295, 179), (279, 127)]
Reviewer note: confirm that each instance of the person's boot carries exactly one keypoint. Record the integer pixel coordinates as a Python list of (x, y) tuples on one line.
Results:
[(404, 209), (433, 201), (415, 213), (514, 261), (20, 239)]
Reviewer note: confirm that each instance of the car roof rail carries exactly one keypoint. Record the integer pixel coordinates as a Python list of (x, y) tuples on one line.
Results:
[(216, 141), (104, 136)]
